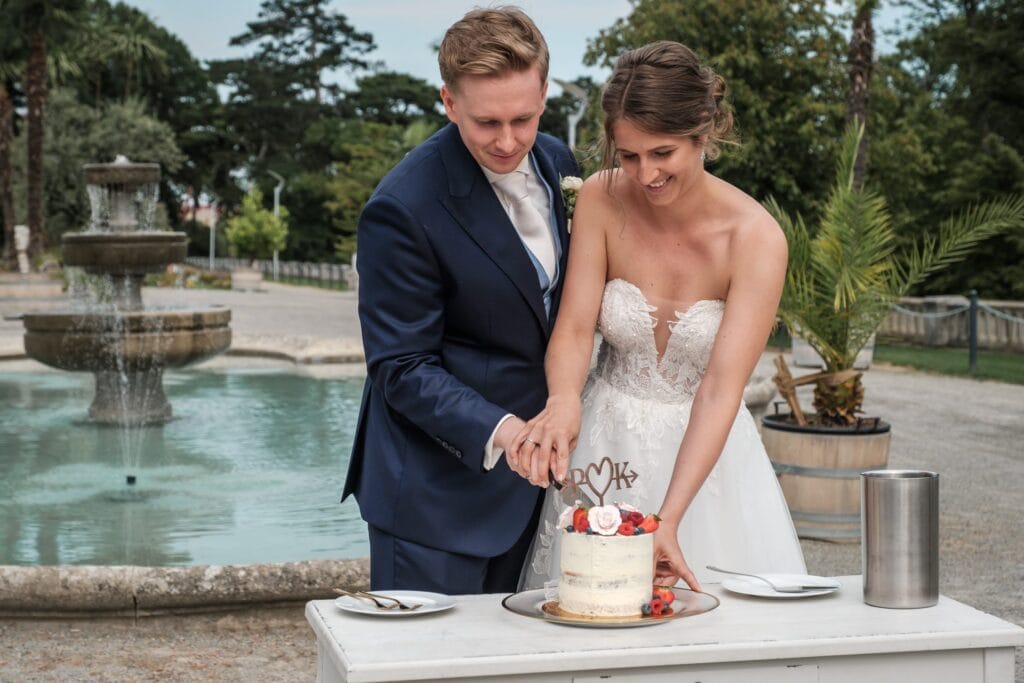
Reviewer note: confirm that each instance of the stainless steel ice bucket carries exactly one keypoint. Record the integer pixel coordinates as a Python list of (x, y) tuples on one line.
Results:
[(900, 537)]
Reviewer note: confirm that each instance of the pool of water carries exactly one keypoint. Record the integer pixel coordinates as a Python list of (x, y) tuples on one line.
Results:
[(250, 470)]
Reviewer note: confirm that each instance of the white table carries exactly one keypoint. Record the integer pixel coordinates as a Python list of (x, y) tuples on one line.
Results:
[(835, 638)]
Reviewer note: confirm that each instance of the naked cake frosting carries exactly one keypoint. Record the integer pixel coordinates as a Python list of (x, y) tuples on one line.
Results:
[(607, 562)]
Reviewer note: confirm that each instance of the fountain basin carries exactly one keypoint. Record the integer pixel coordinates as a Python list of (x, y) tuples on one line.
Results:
[(60, 590), (124, 253), (251, 472), (127, 352), (81, 341)]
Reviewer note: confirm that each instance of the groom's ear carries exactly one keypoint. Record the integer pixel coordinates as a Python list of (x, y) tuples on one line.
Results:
[(448, 100)]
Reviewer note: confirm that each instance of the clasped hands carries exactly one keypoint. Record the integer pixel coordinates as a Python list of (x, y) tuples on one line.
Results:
[(541, 449)]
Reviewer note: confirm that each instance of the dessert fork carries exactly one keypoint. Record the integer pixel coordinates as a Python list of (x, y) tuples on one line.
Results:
[(376, 600), (777, 587)]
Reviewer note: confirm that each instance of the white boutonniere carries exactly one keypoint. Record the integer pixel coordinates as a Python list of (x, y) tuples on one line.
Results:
[(570, 188)]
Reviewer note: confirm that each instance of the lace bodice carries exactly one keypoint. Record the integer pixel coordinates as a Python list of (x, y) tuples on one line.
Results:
[(628, 359)]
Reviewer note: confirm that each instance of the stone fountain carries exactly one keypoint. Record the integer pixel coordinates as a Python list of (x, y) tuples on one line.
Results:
[(107, 331)]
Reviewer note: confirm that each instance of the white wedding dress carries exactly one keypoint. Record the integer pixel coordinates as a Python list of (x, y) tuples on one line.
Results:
[(636, 407)]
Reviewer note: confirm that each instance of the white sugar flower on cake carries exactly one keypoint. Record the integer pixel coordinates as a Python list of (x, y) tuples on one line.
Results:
[(604, 520)]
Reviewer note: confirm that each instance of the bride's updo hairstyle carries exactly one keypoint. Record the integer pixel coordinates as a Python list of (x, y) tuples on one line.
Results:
[(662, 88)]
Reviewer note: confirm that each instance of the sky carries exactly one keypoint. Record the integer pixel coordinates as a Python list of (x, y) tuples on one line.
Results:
[(403, 30)]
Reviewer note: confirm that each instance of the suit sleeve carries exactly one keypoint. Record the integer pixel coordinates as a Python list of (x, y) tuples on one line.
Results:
[(401, 312)]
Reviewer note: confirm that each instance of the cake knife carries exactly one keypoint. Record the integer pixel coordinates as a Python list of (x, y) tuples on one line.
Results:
[(571, 492)]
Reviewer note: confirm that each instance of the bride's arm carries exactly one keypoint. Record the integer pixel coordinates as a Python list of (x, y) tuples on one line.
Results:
[(757, 271), (556, 428)]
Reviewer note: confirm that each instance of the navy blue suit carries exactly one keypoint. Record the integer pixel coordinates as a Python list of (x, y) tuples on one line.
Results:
[(455, 331)]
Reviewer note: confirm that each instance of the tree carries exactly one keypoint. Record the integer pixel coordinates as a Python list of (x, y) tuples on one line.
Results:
[(360, 153), (393, 98), (117, 43), (783, 66), (84, 136), (6, 193), (861, 58), (9, 68), (256, 232), (42, 22), (125, 55), (948, 114), (306, 39)]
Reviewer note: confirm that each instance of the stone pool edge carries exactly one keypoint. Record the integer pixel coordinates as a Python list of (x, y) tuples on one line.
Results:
[(89, 591)]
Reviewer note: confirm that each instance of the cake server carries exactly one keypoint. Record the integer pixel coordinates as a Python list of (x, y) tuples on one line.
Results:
[(571, 492), (806, 584)]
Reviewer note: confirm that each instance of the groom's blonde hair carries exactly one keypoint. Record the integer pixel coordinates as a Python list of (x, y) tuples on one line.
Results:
[(492, 42)]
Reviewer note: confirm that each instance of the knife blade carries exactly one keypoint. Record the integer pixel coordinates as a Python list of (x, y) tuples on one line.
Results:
[(571, 492)]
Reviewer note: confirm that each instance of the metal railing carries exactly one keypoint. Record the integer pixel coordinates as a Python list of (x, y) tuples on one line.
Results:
[(957, 321), (330, 275)]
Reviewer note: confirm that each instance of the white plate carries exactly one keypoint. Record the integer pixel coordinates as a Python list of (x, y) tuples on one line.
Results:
[(738, 584), (432, 602)]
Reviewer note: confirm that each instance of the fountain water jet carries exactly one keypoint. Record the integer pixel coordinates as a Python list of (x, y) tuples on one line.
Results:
[(111, 334)]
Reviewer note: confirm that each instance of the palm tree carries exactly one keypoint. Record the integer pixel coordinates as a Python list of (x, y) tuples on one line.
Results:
[(843, 278), (9, 68), (860, 59), (129, 44), (40, 21)]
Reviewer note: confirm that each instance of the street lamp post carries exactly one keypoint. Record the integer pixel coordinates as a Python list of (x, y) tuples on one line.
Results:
[(213, 232), (580, 95), (277, 209)]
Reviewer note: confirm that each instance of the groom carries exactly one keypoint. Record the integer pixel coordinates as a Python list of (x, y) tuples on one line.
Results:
[(461, 251)]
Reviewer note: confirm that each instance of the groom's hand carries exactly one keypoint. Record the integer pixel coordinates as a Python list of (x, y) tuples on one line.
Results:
[(505, 438), (506, 434), (523, 456)]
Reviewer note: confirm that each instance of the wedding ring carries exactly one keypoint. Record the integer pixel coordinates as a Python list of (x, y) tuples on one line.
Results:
[(532, 441)]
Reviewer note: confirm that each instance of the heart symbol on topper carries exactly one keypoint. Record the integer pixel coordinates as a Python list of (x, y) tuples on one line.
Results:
[(599, 477)]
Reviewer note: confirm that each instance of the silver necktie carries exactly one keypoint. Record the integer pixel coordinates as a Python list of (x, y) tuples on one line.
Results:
[(532, 227)]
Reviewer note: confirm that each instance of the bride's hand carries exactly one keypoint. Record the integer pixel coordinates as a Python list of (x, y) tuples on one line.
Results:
[(541, 449), (669, 564)]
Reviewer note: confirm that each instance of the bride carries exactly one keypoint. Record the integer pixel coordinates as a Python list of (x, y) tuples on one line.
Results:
[(681, 273)]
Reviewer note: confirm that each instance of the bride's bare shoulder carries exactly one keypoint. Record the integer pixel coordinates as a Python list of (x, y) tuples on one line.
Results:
[(600, 197), (750, 221), (602, 186)]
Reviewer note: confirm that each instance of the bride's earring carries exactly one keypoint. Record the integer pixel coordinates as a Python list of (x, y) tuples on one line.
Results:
[(703, 156)]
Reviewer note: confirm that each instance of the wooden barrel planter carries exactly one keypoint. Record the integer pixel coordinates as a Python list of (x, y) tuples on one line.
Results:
[(819, 471)]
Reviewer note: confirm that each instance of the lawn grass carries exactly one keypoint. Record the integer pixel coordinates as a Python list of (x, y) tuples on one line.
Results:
[(1005, 366), (308, 282)]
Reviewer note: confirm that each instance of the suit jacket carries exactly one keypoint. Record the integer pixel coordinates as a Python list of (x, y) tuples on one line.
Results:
[(455, 331)]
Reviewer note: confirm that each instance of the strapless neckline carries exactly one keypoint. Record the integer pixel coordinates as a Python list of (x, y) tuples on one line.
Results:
[(680, 315), (640, 293)]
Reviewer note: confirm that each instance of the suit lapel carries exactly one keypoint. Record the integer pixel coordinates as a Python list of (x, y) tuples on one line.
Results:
[(554, 181), (475, 207)]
